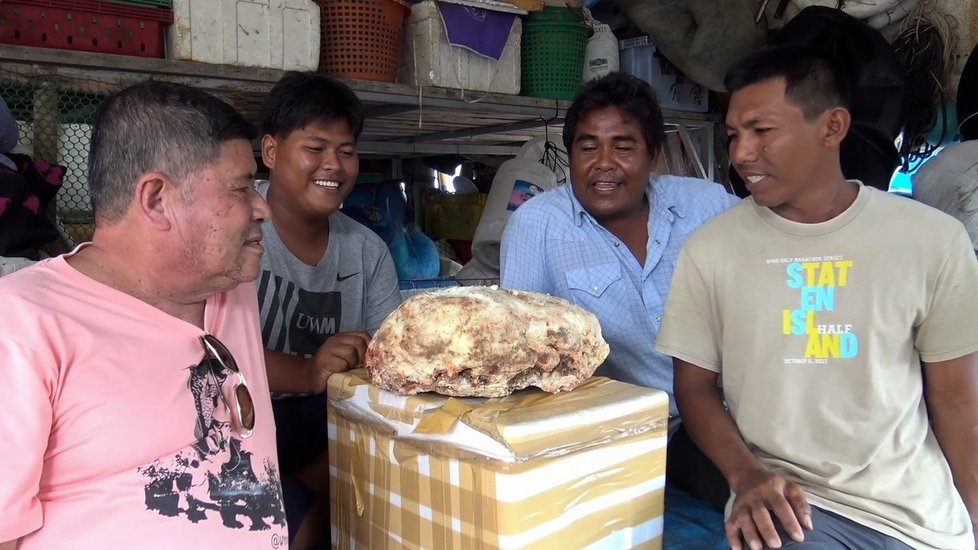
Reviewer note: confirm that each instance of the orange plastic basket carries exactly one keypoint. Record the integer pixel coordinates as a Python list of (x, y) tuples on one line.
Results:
[(361, 39)]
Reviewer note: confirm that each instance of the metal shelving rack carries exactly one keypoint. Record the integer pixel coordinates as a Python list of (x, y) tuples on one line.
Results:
[(401, 121)]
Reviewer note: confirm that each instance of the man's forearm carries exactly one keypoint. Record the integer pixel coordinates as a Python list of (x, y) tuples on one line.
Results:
[(709, 424), (956, 429), (714, 431), (10, 545), (952, 403), (286, 373)]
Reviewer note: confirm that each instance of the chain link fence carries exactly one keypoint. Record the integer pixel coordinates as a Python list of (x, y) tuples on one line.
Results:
[(55, 124), (54, 110)]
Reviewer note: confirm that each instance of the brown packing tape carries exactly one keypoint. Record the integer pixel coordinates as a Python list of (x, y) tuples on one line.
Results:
[(467, 515), (494, 417), (585, 437), (342, 393), (533, 449), (536, 405), (392, 413), (415, 407), (515, 518), (343, 387), (600, 524), (358, 483), (476, 513), (444, 419), (411, 531)]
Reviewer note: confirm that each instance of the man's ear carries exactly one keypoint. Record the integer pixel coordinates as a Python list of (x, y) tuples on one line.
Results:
[(268, 147), (155, 193), (836, 122)]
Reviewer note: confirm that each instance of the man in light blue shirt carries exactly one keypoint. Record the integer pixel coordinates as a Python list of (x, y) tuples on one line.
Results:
[(608, 241)]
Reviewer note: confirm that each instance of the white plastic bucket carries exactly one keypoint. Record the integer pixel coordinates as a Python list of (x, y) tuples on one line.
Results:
[(517, 180)]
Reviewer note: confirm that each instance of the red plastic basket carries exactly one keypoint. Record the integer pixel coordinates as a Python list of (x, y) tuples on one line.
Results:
[(87, 25), (361, 39)]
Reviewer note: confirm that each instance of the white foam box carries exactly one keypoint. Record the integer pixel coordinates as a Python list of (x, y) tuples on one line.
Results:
[(428, 59), (531, 471), (277, 34), (675, 91)]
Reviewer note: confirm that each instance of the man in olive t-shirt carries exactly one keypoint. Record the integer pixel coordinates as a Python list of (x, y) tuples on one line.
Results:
[(842, 322)]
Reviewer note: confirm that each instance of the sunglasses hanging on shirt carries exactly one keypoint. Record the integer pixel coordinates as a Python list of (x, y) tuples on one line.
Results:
[(243, 412)]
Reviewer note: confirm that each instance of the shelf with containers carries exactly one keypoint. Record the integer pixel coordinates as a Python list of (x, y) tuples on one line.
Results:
[(53, 94)]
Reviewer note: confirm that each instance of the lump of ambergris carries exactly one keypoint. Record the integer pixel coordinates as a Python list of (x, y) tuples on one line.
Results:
[(485, 342)]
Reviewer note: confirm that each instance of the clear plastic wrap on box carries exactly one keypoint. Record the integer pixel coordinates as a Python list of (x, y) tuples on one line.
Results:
[(531, 470)]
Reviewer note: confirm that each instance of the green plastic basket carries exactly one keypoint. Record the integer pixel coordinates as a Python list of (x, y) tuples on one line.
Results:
[(553, 46), (168, 4)]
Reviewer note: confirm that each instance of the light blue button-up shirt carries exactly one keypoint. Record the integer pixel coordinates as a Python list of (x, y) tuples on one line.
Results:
[(552, 245)]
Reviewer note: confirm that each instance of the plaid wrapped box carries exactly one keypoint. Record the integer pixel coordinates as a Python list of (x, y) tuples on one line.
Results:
[(583, 469)]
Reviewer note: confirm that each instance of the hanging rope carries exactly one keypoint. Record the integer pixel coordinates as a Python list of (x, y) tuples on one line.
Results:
[(554, 158), (924, 47)]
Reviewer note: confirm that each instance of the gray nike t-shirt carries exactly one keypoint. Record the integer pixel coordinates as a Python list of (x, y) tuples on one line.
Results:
[(353, 287)]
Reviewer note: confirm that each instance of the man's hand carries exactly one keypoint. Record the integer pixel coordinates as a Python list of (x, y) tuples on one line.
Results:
[(760, 492), (339, 353)]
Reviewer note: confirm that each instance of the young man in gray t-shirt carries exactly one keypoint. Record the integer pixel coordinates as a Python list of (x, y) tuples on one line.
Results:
[(326, 281)]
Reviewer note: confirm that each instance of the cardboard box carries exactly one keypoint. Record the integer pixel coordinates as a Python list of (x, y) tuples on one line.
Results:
[(452, 215), (533, 470)]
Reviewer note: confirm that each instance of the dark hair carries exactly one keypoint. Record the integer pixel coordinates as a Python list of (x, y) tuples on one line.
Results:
[(632, 95), (299, 99), (156, 126), (813, 80)]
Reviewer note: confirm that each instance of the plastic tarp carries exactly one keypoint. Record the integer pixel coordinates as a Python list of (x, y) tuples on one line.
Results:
[(703, 38)]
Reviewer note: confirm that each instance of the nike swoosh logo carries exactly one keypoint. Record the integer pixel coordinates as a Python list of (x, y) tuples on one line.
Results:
[(341, 278)]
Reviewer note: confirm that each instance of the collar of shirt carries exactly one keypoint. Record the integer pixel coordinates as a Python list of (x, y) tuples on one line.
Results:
[(663, 210), (662, 204)]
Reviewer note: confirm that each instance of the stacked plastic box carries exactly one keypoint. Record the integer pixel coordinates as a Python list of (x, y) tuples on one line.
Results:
[(127, 28), (278, 34), (638, 56), (428, 59)]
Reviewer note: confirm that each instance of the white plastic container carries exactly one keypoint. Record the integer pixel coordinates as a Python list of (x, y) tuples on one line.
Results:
[(601, 54), (637, 56), (428, 59), (277, 34)]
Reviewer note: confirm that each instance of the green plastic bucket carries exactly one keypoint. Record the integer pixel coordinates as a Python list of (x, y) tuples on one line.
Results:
[(553, 46)]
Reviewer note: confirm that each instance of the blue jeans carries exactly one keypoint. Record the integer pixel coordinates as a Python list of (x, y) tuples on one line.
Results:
[(834, 532)]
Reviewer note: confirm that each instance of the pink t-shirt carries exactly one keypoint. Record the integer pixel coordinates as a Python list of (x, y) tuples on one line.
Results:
[(112, 432)]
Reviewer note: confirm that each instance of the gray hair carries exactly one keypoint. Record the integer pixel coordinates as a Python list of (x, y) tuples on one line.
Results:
[(156, 127)]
